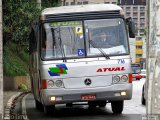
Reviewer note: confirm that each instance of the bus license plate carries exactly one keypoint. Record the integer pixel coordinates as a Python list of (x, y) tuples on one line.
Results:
[(88, 97)]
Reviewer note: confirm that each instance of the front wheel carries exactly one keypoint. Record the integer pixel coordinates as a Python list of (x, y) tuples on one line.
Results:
[(117, 107), (49, 110), (143, 101), (38, 105)]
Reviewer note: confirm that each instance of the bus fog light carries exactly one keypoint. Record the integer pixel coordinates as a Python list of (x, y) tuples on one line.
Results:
[(115, 79), (59, 83), (124, 78), (53, 98), (123, 93)]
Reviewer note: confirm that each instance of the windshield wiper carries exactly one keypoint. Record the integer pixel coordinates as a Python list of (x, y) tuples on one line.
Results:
[(102, 52), (61, 45)]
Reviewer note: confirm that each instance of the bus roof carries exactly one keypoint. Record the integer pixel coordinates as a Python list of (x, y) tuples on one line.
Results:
[(80, 8)]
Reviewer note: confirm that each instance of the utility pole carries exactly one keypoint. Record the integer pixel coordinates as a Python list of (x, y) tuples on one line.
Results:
[(1, 62), (153, 45)]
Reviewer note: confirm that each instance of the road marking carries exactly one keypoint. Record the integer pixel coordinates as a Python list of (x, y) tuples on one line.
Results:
[(24, 111)]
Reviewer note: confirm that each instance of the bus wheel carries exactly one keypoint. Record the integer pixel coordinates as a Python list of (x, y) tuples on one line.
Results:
[(38, 105), (102, 103), (117, 107), (143, 101), (92, 104), (49, 110)]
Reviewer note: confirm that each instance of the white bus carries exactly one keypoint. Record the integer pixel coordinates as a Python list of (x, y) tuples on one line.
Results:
[(81, 54)]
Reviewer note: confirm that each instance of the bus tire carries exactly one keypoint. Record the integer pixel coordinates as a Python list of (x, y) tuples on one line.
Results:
[(143, 101), (49, 110), (117, 106), (38, 105), (102, 103)]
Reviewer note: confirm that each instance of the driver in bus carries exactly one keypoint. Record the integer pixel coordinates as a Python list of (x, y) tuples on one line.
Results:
[(103, 40)]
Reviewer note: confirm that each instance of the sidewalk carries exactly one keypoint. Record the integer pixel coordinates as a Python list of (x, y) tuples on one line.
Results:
[(7, 95)]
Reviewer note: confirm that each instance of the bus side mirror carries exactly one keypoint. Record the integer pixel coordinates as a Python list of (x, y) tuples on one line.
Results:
[(131, 27)]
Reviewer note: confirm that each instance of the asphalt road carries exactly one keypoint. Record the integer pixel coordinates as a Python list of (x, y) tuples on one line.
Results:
[(133, 110)]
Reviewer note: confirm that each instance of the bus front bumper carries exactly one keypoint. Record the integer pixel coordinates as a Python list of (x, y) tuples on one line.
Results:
[(110, 93)]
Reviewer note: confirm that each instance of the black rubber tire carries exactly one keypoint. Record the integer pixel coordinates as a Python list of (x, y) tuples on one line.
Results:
[(38, 105), (143, 101), (117, 106), (102, 103), (92, 104), (49, 110)]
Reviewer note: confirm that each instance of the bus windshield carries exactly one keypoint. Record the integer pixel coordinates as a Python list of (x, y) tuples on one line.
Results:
[(72, 39)]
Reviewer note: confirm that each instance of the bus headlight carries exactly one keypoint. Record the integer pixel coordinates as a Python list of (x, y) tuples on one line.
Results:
[(124, 78), (50, 84), (115, 79), (59, 83)]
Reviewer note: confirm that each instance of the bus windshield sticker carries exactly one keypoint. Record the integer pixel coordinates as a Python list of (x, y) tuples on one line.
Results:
[(67, 23), (121, 61), (78, 30), (58, 70), (81, 52)]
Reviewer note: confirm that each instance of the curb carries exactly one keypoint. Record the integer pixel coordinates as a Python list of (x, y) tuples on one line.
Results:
[(7, 110)]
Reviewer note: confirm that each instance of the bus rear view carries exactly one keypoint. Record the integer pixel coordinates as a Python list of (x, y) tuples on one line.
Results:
[(81, 54)]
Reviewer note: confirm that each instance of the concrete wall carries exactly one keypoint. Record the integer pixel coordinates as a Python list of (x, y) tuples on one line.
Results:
[(132, 49), (12, 83), (153, 80)]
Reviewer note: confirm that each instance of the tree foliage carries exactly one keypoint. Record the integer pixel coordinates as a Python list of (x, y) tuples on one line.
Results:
[(18, 16), (50, 3)]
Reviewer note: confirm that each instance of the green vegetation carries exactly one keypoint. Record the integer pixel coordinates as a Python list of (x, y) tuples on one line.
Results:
[(14, 63), (18, 16), (23, 87)]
